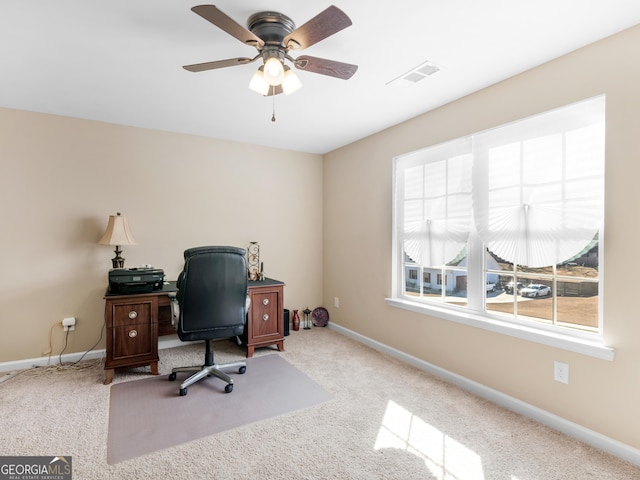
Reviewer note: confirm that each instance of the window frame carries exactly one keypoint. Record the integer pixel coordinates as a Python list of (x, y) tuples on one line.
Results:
[(475, 313)]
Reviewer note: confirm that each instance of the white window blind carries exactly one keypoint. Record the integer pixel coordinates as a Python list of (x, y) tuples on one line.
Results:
[(532, 189), (538, 196), (435, 212)]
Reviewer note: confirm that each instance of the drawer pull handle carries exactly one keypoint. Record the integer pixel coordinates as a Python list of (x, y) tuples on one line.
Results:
[(265, 301), (265, 317), (133, 314), (133, 333)]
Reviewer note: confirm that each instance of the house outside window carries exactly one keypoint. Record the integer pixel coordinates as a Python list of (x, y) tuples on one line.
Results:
[(508, 221)]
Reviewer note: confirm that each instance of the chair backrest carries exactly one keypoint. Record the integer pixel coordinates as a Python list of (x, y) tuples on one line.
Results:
[(212, 293)]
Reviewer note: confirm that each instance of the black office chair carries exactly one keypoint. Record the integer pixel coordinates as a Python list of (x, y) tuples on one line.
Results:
[(211, 303)]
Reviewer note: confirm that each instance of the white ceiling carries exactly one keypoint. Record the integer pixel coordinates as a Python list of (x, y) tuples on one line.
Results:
[(120, 61)]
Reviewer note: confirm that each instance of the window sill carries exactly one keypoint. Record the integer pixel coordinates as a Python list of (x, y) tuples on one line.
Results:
[(591, 347)]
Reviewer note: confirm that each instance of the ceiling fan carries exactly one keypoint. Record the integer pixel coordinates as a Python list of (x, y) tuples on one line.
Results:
[(275, 35)]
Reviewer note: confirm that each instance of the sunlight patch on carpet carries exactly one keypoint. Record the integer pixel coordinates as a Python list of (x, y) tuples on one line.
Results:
[(444, 456)]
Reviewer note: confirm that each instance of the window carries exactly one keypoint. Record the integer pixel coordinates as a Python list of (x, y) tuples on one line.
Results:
[(508, 221)]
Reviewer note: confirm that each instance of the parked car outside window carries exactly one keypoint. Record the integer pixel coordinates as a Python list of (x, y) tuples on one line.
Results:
[(535, 290)]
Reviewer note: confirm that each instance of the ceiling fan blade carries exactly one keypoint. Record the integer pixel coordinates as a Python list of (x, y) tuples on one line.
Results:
[(323, 25), (228, 24), (200, 67), (326, 67)]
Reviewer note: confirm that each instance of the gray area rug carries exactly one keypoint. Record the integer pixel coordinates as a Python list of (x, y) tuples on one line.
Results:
[(149, 415)]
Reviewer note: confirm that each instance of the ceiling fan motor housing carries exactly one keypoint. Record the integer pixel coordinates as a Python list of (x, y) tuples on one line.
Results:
[(271, 27)]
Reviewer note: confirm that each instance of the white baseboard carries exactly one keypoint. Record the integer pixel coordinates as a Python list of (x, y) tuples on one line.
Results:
[(169, 341), (560, 424)]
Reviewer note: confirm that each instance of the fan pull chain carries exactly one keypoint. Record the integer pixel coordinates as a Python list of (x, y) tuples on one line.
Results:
[(273, 97)]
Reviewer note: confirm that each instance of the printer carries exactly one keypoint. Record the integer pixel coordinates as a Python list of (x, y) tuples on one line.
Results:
[(128, 281)]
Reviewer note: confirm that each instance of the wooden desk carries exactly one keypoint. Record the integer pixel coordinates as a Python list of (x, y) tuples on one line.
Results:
[(134, 322), (265, 320)]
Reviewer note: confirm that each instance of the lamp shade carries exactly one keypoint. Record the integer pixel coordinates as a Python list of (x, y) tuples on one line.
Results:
[(273, 71), (118, 232), (258, 83), (291, 82)]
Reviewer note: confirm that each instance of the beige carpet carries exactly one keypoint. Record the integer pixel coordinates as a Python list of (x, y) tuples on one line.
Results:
[(149, 415), (386, 420)]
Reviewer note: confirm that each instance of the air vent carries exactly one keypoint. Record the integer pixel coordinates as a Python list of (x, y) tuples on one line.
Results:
[(416, 74)]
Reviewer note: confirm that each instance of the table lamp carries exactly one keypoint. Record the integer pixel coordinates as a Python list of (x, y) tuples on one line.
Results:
[(118, 233)]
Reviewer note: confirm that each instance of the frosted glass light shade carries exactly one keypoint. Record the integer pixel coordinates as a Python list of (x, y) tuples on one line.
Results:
[(273, 71), (258, 83), (291, 82)]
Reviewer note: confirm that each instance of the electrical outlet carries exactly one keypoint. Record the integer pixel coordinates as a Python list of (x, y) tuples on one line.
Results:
[(336, 302), (69, 324), (561, 372)]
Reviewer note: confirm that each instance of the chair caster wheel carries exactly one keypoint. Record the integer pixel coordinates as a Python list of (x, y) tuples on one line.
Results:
[(229, 388), (183, 392), (172, 376), (242, 370)]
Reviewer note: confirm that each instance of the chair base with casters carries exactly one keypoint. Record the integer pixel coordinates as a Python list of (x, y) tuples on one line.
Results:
[(209, 369)]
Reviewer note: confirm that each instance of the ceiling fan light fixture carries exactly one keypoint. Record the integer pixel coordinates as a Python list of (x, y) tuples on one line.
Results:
[(258, 83), (273, 71), (273, 35), (291, 82)]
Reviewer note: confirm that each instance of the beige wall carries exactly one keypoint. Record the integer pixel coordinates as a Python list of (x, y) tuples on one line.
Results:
[(602, 395), (61, 178), (324, 229)]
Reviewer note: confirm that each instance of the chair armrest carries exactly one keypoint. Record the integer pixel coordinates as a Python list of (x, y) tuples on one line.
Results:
[(175, 310)]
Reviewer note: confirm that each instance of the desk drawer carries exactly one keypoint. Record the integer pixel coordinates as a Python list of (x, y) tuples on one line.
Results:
[(131, 314), (133, 341), (264, 312), (132, 330)]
